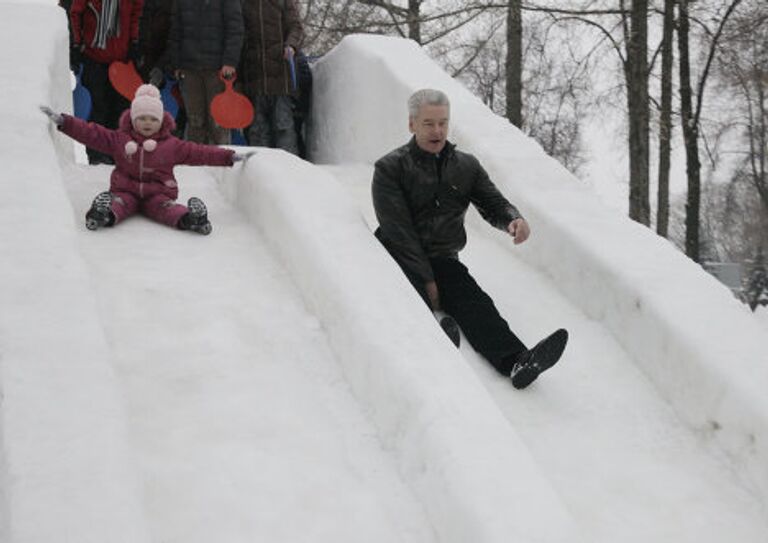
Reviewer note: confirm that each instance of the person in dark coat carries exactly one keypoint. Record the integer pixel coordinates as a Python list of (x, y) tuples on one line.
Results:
[(206, 39), (155, 64), (102, 32), (273, 35), (154, 32), (421, 192)]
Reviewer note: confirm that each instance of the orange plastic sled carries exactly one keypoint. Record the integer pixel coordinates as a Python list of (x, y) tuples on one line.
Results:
[(229, 108), (124, 78)]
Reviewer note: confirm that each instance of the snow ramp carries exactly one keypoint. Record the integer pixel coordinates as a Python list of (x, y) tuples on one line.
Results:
[(655, 426), (274, 381)]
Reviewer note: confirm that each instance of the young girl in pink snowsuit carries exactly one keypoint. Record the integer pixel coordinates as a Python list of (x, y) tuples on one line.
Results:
[(145, 154)]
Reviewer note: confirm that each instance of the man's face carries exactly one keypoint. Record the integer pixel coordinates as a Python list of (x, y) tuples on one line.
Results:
[(430, 127)]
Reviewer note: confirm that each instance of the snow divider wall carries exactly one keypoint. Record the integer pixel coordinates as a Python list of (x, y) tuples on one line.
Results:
[(715, 381), (64, 467), (452, 445)]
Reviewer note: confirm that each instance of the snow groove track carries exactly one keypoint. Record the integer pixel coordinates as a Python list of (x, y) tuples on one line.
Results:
[(611, 446), (241, 425)]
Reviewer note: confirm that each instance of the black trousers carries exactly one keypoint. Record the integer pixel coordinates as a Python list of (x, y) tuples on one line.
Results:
[(474, 311), (107, 103)]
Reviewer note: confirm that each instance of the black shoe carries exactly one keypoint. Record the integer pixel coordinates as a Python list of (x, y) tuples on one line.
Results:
[(196, 219), (100, 213), (451, 329), (543, 356)]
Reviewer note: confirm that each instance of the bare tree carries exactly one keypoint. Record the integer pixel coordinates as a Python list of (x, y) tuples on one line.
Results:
[(514, 65), (665, 119), (744, 70), (410, 16), (636, 69), (691, 119)]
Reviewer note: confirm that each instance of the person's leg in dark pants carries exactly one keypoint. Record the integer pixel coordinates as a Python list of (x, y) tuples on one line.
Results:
[(260, 132), (95, 78), (107, 103), (192, 86), (485, 329), (417, 283), (284, 128)]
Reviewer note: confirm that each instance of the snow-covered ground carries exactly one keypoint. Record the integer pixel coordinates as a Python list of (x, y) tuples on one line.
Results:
[(279, 381), (231, 388)]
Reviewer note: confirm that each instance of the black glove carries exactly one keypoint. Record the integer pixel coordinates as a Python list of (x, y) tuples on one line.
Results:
[(75, 57), (134, 53)]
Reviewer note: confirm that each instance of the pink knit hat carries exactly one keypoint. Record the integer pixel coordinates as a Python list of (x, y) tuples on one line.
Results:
[(147, 102)]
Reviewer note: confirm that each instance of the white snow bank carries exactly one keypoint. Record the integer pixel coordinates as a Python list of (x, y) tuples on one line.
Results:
[(701, 348), (475, 478), (64, 468)]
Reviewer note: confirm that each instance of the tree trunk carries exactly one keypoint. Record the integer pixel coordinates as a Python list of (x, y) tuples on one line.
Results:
[(637, 98), (414, 20), (690, 137), (665, 119), (514, 67)]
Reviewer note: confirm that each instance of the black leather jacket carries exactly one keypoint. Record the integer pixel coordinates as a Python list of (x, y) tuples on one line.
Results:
[(421, 200)]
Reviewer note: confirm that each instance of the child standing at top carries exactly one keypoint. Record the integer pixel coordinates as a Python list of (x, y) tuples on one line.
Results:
[(145, 154)]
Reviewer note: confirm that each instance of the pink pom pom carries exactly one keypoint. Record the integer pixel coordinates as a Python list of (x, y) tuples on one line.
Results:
[(149, 145), (131, 147), (147, 90)]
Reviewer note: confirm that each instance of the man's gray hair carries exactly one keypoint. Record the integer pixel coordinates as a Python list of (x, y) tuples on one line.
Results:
[(426, 97)]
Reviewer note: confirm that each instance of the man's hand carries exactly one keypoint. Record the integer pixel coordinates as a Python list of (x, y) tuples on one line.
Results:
[(288, 53), (227, 71), (433, 294), (519, 230)]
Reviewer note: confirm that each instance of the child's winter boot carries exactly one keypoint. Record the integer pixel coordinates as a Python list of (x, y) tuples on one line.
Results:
[(100, 213), (196, 219)]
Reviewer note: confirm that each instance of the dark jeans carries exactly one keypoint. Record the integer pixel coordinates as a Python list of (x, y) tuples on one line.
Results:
[(108, 104), (198, 88), (273, 123), (474, 311)]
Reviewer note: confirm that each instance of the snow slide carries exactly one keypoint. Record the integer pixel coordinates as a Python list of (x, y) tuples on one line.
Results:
[(278, 380), (266, 382), (656, 416)]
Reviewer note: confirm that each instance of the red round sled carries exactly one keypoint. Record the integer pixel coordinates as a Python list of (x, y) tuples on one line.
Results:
[(229, 108), (124, 78)]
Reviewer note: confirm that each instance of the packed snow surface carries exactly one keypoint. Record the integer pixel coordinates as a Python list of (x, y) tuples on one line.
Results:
[(279, 381)]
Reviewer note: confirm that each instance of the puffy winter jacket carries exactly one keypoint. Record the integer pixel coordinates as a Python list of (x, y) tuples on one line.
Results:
[(84, 17), (205, 34), (421, 200), (270, 25), (154, 29), (144, 166)]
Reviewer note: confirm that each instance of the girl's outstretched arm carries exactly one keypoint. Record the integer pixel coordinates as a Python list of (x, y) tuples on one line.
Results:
[(197, 154), (91, 135)]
